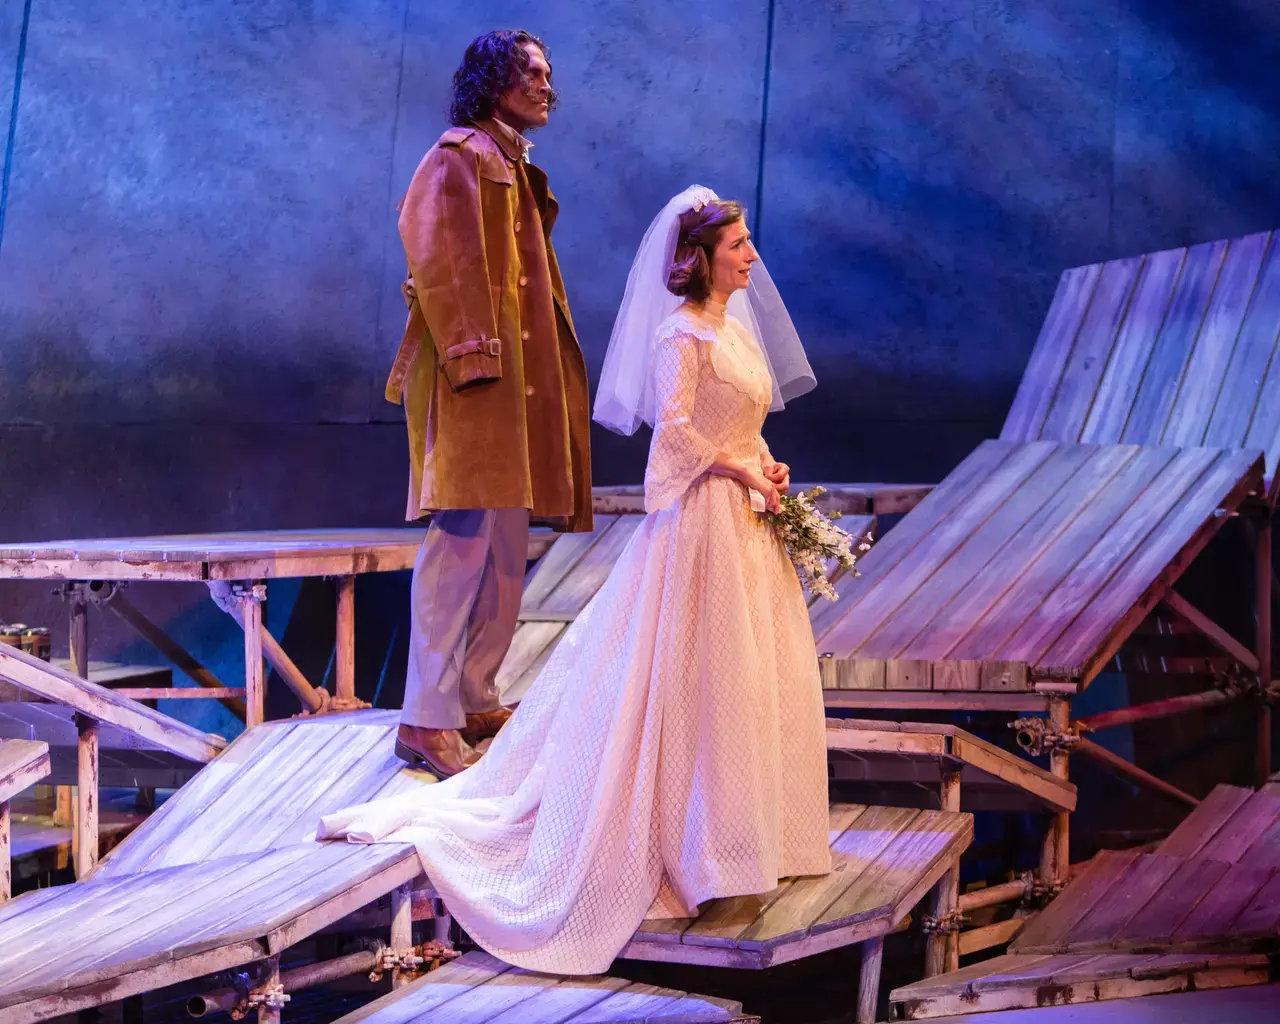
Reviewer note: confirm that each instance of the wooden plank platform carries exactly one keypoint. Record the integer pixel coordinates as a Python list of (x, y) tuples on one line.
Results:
[(1172, 348), (1023, 981), (23, 763), (75, 946), (1031, 563), (571, 572), (138, 726), (479, 989), (884, 861), (912, 752)]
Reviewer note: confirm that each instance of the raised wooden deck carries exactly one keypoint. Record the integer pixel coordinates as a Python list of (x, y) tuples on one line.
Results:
[(23, 763), (1031, 563), (916, 753), (479, 989)]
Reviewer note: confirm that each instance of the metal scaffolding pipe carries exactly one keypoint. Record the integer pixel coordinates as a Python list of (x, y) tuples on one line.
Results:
[(308, 976), (1131, 771), (1156, 709), (993, 895)]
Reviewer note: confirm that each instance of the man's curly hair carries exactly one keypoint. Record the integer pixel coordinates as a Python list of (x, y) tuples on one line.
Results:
[(492, 64)]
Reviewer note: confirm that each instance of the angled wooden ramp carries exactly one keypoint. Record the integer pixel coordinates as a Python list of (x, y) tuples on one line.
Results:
[(1202, 911), (1171, 348), (918, 753), (226, 872), (572, 570), (23, 763), (479, 989), (1030, 564)]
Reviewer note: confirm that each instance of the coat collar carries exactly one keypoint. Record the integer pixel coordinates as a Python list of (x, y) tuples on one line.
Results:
[(513, 145)]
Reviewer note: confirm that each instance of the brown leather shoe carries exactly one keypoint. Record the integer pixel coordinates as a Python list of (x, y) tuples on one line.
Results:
[(483, 725), (442, 752)]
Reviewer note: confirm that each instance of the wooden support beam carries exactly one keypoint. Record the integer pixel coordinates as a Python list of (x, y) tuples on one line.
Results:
[(1059, 760), (869, 980), (942, 948), (87, 798), (170, 648), (977, 939), (345, 642), (6, 862), (1215, 633), (178, 692), (269, 980), (249, 602), (1264, 644), (1132, 772), (401, 929), (1155, 709)]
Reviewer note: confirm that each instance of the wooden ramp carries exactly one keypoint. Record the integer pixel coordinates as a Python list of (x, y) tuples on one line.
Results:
[(1171, 348), (574, 567), (225, 873), (884, 860), (1030, 564), (1202, 911), (917, 753), (479, 989), (23, 763)]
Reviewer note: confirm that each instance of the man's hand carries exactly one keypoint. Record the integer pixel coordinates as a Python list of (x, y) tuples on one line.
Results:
[(778, 474)]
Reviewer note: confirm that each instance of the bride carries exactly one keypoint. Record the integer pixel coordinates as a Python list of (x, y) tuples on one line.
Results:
[(672, 749)]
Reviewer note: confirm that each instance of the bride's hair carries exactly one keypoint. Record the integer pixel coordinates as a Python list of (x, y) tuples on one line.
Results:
[(690, 272)]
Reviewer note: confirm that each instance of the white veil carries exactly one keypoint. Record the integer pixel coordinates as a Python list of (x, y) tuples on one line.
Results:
[(624, 398)]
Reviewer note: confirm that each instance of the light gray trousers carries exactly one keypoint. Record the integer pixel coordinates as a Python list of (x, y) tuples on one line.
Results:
[(465, 599)]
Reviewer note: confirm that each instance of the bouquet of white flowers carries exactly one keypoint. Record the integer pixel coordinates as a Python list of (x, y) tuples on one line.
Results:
[(814, 542)]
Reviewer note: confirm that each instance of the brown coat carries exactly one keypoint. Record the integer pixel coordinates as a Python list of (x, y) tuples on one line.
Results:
[(496, 400)]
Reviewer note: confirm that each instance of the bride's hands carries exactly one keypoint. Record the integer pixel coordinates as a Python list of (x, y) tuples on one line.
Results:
[(778, 474), (766, 487)]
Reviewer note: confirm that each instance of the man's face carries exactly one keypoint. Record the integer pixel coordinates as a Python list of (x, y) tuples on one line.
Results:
[(527, 104)]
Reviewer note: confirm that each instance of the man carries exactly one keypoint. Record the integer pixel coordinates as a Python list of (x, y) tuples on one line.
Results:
[(495, 394)]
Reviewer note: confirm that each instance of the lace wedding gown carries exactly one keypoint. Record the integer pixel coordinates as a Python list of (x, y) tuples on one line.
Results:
[(672, 748)]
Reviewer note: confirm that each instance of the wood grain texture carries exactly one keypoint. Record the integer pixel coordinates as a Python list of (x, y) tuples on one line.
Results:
[(23, 763)]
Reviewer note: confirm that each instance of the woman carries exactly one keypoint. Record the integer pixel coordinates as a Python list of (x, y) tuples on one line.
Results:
[(672, 749)]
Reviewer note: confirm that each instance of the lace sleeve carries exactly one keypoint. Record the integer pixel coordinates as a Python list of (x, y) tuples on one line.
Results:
[(678, 454), (766, 456)]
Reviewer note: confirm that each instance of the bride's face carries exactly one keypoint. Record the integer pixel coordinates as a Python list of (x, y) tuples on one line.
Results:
[(733, 258)]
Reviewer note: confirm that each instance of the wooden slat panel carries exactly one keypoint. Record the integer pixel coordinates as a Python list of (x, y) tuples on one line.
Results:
[(1092, 350), (556, 564), (1246, 376), (1243, 829), (530, 641), (912, 853), (587, 576), (852, 673), (1132, 891), (1027, 608), (1052, 351), (419, 997), (1204, 376), (637, 1002), (1142, 325), (1163, 372), (1108, 581), (1154, 924), (1213, 916), (860, 621), (1261, 918), (1265, 850), (993, 542), (898, 544), (1053, 924), (1198, 827), (982, 600), (558, 1003), (23, 763), (1027, 970)]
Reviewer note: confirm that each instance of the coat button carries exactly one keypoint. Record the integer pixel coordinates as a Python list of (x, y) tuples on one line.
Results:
[(524, 335), (523, 280), (517, 227), (529, 390)]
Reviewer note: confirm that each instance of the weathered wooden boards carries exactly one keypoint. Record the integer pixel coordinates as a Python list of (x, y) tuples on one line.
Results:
[(1172, 348), (23, 763), (890, 752), (149, 727), (1031, 563), (75, 946), (266, 554), (1212, 886), (847, 499), (479, 989), (1013, 981), (270, 789), (569, 575), (884, 860)]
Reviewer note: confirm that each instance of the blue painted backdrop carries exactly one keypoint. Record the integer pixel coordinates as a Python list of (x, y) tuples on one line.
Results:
[(199, 265)]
